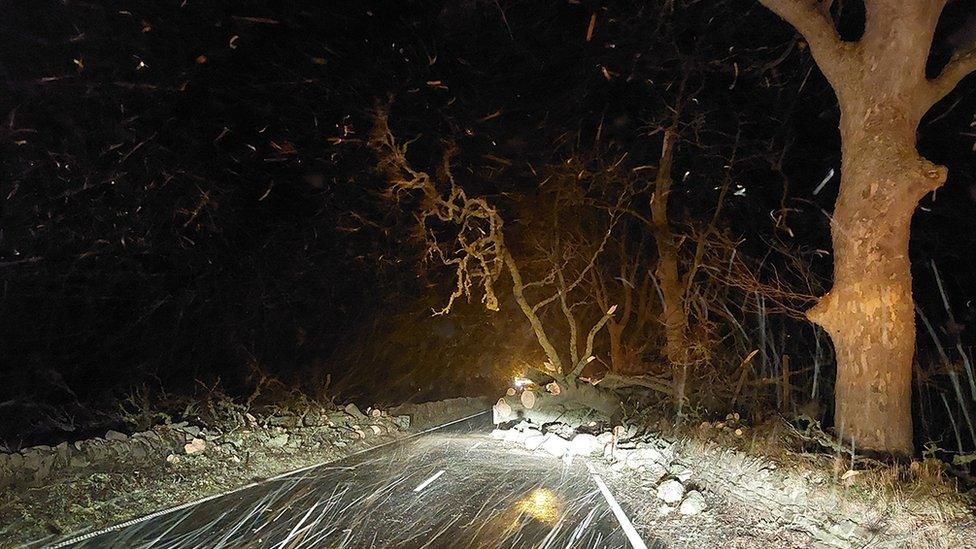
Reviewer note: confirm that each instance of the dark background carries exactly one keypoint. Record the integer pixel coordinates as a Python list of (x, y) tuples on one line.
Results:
[(186, 197)]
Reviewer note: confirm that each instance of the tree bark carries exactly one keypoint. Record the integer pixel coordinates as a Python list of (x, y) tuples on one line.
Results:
[(673, 314), (869, 312), (883, 93)]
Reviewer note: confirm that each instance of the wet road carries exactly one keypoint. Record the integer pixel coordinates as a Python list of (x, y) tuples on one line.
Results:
[(453, 487)]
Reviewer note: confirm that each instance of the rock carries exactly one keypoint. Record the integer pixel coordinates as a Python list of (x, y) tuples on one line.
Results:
[(64, 452), (192, 430), (234, 441), (693, 504), (195, 446), (78, 462), (555, 446), (653, 471), (403, 422), (684, 474), (234, 459), (670, 491), (288, 421), (278, 441), (115, 435), (172, 459), (15, 461), (585, 445), (605, 438), (499, 434), (138, 451), (44, 468), (377, 430), (97, 450), (514, 435), (533, 442), (353, 410), (643, 456), (32, 458)]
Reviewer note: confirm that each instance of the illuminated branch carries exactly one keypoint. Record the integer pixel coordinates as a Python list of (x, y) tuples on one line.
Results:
[(482, 256), (590, 337), (952, 74)]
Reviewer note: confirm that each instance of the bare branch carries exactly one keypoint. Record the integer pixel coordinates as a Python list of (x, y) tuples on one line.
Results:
[(589, 342)]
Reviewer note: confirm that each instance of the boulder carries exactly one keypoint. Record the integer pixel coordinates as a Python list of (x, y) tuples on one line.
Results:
[(44, 467), (115, 435), (533, 442), (32, 458), (653, 471), (555, 446), (195, 446), (643, 456), (693, 503), (585, 445), (670, 491), (517, 436)]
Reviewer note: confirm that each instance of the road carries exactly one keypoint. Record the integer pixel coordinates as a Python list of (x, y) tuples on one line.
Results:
[(452, 487)]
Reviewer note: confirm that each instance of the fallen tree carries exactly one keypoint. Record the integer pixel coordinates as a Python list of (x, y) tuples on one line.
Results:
[(481, 259)]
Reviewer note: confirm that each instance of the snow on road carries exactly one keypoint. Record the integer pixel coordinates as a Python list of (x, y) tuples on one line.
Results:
[(453, 487)]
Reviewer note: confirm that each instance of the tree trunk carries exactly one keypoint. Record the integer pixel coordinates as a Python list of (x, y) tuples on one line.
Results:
[(883, 92), (618, 359), (869, 312), (673, 314)]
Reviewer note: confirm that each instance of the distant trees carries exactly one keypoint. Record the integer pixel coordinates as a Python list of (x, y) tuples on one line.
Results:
[(881, 86)]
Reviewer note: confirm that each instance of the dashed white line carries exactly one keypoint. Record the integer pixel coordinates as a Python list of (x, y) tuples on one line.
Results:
[(428, 481), (629, 530)]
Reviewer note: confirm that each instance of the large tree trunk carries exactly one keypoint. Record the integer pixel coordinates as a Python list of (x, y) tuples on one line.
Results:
[(869, 312), (883, 93)]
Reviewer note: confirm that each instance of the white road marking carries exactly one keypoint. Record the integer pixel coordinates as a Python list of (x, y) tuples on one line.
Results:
[(428, 481), (632, 535)]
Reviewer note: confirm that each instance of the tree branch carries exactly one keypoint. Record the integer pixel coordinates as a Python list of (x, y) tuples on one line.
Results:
[(952, 74), (811, 18), (589, 342)]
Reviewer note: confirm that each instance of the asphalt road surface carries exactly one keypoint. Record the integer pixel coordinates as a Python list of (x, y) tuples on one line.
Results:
[(452, 487)]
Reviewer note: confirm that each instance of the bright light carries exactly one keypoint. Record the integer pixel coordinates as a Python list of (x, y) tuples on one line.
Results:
[(542, 504), (522, 382)]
